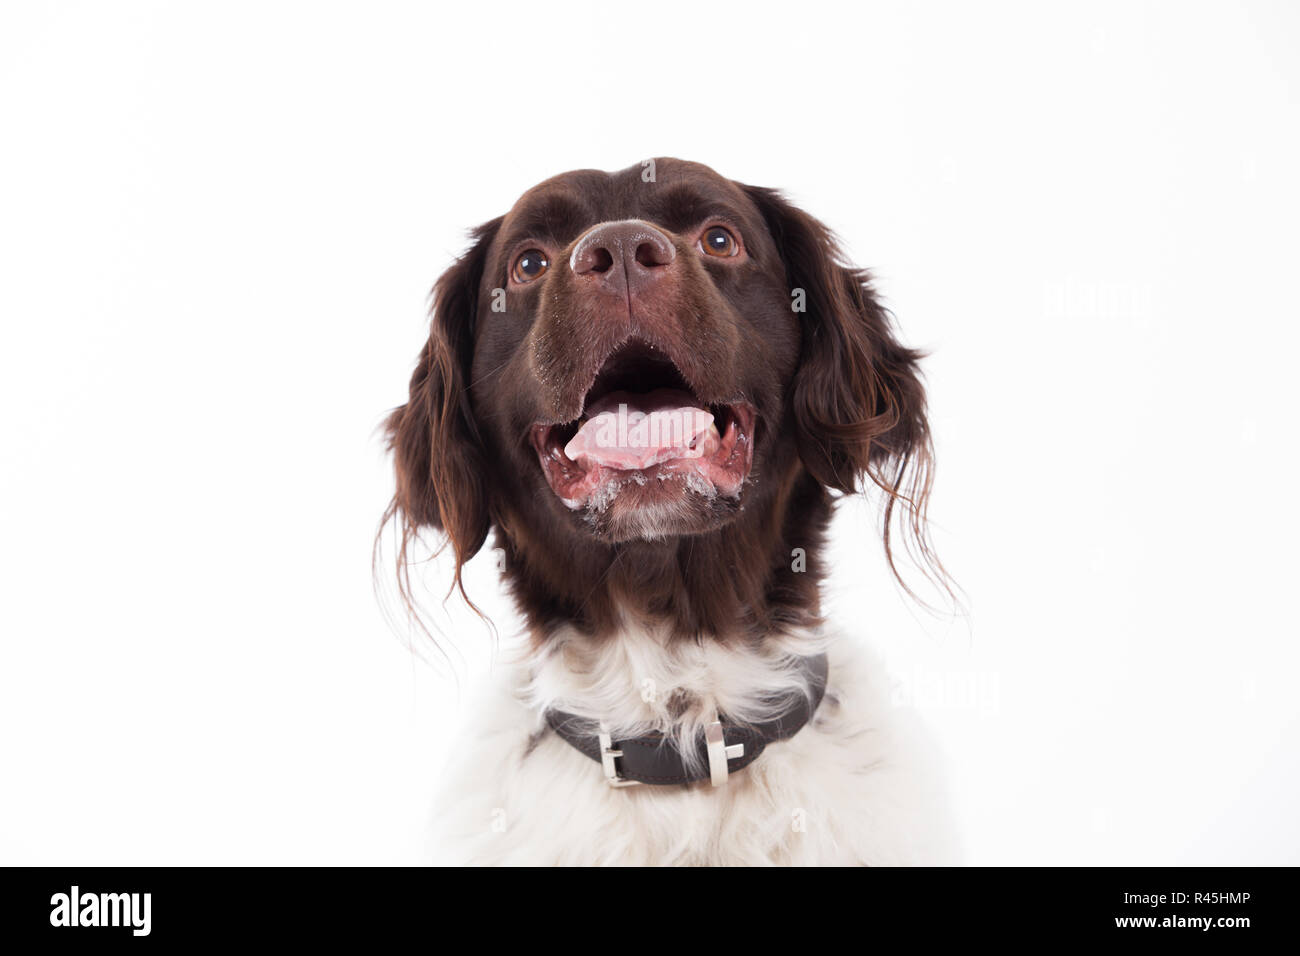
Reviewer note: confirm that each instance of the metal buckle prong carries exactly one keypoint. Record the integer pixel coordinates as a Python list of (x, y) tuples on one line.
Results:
[(720, 753), (607, 757)]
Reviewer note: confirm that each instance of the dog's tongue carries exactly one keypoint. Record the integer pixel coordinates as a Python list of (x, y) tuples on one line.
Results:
[(630, 432)]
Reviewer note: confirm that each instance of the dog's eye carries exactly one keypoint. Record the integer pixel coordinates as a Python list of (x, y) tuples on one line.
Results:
[(529, 266), (717, 241)]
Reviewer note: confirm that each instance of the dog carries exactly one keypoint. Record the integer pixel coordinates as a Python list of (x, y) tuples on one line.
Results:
[(651, 386)]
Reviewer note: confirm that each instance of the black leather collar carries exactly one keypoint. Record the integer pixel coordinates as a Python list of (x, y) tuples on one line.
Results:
[(655, 758)]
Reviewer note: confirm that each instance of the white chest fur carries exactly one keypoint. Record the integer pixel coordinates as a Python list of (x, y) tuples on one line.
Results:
[(856, 786)]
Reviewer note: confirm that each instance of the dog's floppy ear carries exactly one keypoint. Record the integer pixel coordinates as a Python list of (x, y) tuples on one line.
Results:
[(434, 440), (857, 399)]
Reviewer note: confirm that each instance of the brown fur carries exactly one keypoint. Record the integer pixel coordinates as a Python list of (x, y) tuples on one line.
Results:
[(839, 401)]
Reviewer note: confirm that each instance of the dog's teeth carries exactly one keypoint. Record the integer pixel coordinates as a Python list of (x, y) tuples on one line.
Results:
[(711, 433)]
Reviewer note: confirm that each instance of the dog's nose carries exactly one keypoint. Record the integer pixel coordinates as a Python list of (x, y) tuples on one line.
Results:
[(623, 258)]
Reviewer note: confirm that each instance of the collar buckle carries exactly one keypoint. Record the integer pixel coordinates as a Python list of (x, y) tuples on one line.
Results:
[(719, 752), (607, 757)]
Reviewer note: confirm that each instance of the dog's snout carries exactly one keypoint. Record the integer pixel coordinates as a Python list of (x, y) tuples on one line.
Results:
[(624, 257)]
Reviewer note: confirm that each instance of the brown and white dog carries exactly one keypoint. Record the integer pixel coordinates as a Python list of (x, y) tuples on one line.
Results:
[(651, 385)]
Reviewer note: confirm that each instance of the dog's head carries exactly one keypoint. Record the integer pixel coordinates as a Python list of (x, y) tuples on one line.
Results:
[(649, 381)]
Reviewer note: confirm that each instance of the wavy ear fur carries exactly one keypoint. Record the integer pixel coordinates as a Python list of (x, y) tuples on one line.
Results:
[(858, 401), (437, 452)]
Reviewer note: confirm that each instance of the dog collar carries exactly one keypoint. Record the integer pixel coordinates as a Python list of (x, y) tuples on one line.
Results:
[(724, 747)]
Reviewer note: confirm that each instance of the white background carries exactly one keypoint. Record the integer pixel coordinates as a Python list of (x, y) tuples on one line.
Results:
[(218, 226)]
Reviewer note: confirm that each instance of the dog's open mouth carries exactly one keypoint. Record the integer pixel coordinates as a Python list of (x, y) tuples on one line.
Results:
[(642, 423)]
